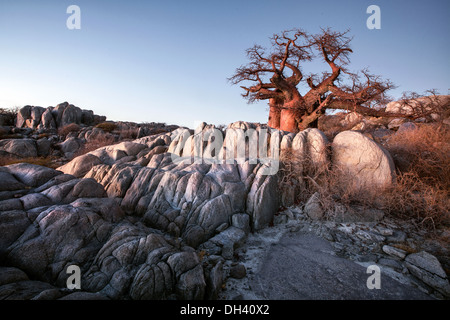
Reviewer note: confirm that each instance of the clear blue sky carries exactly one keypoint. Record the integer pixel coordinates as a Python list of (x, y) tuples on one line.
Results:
[(169, 61)]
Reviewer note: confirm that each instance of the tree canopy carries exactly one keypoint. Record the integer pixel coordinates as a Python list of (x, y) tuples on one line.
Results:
[(276, 75)]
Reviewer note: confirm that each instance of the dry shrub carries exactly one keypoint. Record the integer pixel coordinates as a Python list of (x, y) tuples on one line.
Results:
[(72, 127), (413, 197), (304, 178), (9, 115), (130, 133), (40, 161), (157, 131), (425, 152), (422, 157), (333, 124), (98, 142), (107, 126)]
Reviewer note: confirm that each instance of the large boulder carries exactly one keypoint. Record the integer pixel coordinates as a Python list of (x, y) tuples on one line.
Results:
[(79, 166), (71, 146), (32, 175), (12, 224), (47, 120), (60, 236), (110, 154), (22, 116), (312, 143), (23, 148), (58, 112), (366, 164), (55, 117), (263, 200), (87, 117), (44, 147), (8, 182), (70, 115)]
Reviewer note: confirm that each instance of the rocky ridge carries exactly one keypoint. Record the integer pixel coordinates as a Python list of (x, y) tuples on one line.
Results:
[(143, 227), (62, 132)]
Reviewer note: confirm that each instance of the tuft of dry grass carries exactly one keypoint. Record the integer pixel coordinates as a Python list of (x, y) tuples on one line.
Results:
[(72, 127), (424, 152), (130, 133), (413, 197), (333, 124), (98, 142), (422, 191), (49, 162), (107, 126), (9, 115), (304, 178), (334, 186)]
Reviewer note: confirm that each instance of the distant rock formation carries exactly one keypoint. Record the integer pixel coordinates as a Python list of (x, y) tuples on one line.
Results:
[(55, 117), (433, 107)]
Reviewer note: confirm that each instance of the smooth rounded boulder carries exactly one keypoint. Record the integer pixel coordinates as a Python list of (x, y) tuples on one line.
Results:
[(79, 166), (24, 148), (367, 164), (31, 174)]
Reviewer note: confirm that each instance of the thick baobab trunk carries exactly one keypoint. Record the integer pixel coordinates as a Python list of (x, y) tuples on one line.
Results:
[(287, 120), (290, 113), (274, 114)]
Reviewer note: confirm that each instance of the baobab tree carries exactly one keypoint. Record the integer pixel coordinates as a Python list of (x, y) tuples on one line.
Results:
[(276, 76)]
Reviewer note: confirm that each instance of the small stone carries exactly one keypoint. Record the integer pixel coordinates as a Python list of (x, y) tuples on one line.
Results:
[(367, 258), (328, 236), (222, 227), (280, 219), (313, 207), (289, 214), (210, 248), (228, 251), (393, 264), (338, 246), (385, 231), (232, 235), (396, 252), (377, 237), (427, 268), (238, 271), (241, 221), (214, 281), (398, 236), (293, 227)]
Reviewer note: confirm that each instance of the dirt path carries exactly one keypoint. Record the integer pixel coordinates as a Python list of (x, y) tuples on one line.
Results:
[(288, 264)]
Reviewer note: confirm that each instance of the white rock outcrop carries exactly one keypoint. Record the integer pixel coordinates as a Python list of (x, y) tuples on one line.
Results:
[(367, 165)]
